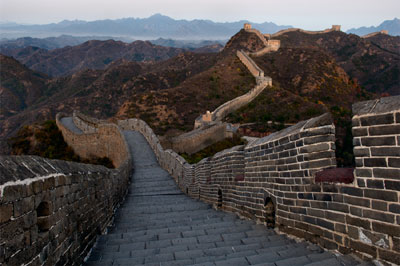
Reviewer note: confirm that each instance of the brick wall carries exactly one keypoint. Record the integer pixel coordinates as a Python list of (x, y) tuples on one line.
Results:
[(85, 123), (250, 64), (51, 210), (200, 138), (289, 180), (97, 140)]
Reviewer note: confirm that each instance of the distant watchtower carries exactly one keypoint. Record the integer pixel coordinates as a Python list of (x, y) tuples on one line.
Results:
[(384, 32), (247, 26), (336, 27)]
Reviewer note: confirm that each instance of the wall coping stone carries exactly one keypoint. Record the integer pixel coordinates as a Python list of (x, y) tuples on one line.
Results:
[(320, 121), (382, 105)]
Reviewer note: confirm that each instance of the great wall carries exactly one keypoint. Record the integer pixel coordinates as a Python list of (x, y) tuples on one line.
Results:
[(208, 127), (51, 210)]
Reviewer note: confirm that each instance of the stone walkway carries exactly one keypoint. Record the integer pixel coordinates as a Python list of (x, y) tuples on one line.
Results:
[(159, 225)]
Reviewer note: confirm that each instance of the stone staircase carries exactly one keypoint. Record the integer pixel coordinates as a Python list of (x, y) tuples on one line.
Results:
[(159, 225)]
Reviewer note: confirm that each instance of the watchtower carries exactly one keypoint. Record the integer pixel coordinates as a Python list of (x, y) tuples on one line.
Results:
[(384, 32), (336, 27), (247, 26)]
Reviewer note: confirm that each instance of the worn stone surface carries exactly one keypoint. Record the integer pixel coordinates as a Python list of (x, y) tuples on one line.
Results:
[(159, 225)]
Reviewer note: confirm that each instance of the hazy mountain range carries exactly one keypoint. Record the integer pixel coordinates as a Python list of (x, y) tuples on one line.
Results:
[(156, 26), (393, 26)]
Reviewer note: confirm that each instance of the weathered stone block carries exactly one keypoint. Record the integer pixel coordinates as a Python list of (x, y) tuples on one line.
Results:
[(377, 120), (360, 172), (315, 148), (386, 173), (381, 194), (384, 130), (394, 162), (358, 222), (375, 162), (361, 152), (358, 132), (378, 141), (375, 183), (395, 208), (380, 216), (379, 205), (388, 255), (385, 151), (392, 185), (23, 206), (6, 211)]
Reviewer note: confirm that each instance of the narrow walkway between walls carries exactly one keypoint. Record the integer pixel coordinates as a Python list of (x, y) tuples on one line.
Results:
[(159, 225)]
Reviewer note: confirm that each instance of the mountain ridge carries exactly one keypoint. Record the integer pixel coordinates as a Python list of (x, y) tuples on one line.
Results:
[(392, 26), (153, 27)]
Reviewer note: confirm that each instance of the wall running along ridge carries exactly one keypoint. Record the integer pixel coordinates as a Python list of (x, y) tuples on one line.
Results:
[(279, 33), (255, 70), (52, 210), (375, 33), (97, 140), (289, 180), (201, 138)]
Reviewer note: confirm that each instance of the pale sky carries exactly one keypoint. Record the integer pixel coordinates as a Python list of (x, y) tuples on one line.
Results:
[(306, 14)]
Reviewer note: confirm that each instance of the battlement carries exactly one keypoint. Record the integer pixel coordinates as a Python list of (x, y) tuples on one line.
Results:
[(247, 26)]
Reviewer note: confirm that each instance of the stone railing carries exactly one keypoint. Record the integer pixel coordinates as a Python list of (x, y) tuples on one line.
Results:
[(334, 28), (51, 210), (200, 138), (254, 69), (232, 105), (289, 180), (176, 166), (375, 33), (85, 123), (100, 140)]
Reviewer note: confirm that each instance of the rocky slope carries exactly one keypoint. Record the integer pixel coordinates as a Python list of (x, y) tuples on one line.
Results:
[(373, 63), (89, 55)]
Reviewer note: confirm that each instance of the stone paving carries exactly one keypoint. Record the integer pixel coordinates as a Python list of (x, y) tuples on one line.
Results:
[(159, 225)]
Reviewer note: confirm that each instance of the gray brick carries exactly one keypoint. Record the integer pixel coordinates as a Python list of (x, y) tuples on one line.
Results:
[(190, 254), (233, 261), (187, 241), (263, 258), (173, 249), (377, 120), (159, 258), (209, 238), (385, 130), (378, 141), (303, 260), (385, 151), (220, 251), (158, 244)]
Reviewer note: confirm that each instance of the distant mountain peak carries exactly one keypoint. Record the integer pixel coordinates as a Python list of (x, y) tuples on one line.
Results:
[(392, 26)]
